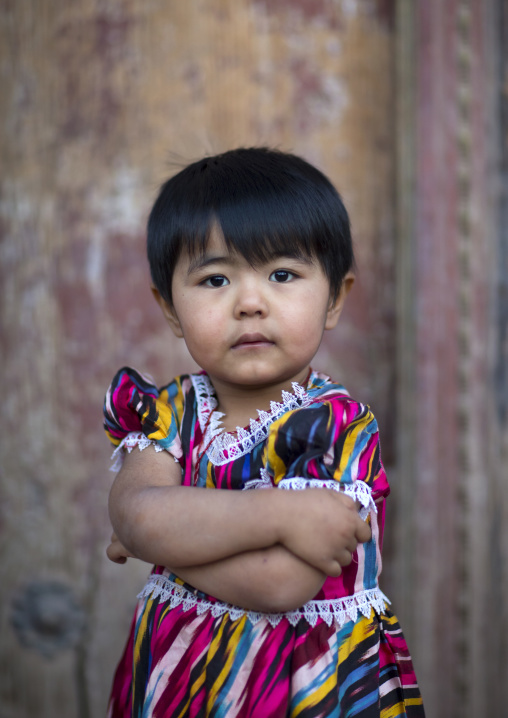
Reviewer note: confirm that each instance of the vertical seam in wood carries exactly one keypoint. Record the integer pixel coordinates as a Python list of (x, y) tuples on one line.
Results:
[(465, 370), (406, 305)]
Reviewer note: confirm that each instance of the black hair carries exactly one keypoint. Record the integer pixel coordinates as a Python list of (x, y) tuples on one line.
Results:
[(266, 202)]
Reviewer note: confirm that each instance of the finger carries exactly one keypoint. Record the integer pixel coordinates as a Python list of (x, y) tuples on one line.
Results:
[(345, 557), (352, 545), (347, 501), (363, 531), (333, 568), (114, 553)]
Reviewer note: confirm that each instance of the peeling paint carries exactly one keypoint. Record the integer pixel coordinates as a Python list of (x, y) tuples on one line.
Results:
[(98, 96), (323, 12)]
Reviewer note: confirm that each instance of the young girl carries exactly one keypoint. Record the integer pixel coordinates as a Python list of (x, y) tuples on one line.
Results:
[(262, 603)]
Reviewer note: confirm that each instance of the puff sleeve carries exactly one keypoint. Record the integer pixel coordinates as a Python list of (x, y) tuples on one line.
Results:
[(334, 445), (136, 413)]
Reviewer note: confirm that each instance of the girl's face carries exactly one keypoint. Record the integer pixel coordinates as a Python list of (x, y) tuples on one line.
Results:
[(251, 327)]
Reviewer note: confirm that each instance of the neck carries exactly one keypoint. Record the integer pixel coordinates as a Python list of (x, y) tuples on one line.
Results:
[(241, 403)]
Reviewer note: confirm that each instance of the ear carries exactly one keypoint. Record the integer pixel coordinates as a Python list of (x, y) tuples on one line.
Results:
[(168, 311), (336, 305)]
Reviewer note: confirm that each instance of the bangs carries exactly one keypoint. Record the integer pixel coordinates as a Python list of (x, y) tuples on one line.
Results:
[(268, 226), (266, 204), (254, 236)]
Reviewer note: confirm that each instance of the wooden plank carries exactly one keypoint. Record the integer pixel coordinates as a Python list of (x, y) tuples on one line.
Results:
[(451, 439), (97, 98)]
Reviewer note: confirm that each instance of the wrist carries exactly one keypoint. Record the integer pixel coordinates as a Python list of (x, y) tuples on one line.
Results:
[(281, 513)]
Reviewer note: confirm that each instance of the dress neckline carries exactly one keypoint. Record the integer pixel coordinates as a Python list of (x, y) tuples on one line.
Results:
[(223, 446)]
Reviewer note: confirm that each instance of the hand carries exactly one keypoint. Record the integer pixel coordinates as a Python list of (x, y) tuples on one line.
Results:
[(323, 528), (116, 551)]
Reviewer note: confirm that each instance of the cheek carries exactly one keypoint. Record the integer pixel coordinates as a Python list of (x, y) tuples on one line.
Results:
[(300, 326), (201, 328), (312, 307), (307, 319)]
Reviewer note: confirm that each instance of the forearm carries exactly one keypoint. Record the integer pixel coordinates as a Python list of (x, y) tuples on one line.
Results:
[(176, 526), (162, 522), (271, 580), (184, 526)]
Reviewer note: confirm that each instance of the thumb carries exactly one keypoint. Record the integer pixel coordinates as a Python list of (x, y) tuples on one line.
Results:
[(332, 568), (363, 532), (116, 552)]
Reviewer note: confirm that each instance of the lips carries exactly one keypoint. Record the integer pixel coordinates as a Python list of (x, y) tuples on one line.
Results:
[(252, 340)]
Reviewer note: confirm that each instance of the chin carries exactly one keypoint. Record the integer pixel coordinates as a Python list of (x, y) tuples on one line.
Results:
[(267, 380)]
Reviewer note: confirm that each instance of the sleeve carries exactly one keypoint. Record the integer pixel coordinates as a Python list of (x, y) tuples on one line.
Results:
[(136, 413), (334, 445)]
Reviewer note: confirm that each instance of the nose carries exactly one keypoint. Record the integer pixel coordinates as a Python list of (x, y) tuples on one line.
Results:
[(251, 300)]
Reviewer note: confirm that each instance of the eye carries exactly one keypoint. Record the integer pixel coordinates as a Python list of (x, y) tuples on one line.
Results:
[(216, 281), (281, 276)]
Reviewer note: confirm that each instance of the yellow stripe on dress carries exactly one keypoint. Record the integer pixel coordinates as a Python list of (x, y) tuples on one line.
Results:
[(395, 711), (142, 630), (230, 653), (165, 418), (329, 686), (210, 483), (177, 400), (115, 440), (362, 629), (349, 444), (270, 456), (194, 690)]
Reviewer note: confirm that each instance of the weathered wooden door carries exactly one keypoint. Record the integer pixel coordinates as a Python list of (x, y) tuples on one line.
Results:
[(100, 101)]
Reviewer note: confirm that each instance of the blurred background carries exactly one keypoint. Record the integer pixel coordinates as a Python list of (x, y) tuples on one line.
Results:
[(404, 105)]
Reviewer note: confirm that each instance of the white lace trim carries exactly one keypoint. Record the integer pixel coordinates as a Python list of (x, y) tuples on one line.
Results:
[(129, 442), (224, 447), (358, 490), (264, 482), (335, 610), (205, 398)]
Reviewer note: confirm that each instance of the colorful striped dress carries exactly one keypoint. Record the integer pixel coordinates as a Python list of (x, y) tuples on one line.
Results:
[(188, 654)]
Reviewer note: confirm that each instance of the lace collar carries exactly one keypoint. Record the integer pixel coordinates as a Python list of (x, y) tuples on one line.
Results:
[(223, 447)]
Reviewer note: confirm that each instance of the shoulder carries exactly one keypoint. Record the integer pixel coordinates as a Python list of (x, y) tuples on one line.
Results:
[(330, 422), (127, 381), (135, 394), (335, 399), (177, 390), (321, 385)]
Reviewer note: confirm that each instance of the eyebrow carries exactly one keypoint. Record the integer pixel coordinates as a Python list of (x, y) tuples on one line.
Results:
[(205, 260)]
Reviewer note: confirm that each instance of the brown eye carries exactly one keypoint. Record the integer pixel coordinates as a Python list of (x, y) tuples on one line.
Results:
[(216, 281), (281, 276)]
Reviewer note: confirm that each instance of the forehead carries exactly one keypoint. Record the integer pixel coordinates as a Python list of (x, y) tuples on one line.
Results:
[(215, 243), (215, 249)]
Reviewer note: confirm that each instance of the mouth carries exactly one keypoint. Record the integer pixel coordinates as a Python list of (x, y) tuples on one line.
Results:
[(251, 341)]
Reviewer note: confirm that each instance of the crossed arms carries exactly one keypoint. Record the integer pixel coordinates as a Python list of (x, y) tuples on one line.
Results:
[(263, 550)]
